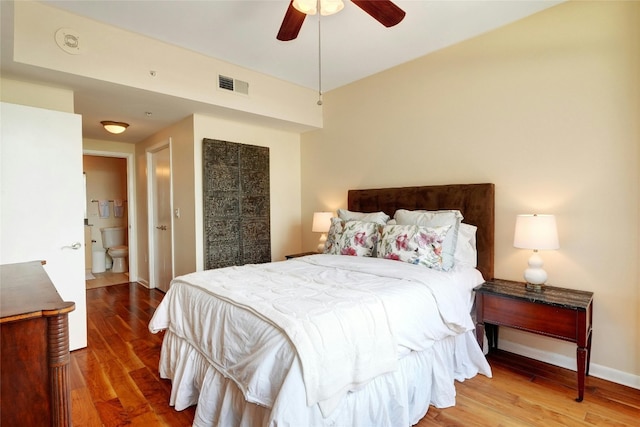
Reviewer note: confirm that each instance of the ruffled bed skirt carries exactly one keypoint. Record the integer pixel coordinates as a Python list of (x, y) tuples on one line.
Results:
[(400, 398)]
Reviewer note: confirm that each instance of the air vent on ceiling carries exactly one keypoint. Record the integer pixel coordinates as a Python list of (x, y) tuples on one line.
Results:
[(234, 85)]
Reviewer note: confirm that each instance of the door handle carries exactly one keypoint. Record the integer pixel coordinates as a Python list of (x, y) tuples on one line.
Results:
[(161, 227), (75, 246)]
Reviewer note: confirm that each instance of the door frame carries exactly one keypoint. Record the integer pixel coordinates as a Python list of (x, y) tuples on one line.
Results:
[(149, 152), (131, 206)]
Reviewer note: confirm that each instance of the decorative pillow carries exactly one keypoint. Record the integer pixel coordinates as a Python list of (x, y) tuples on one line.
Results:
[(452, 218), (333, 235), (377, 217), (413, 244), (356, 238), (466, 253)]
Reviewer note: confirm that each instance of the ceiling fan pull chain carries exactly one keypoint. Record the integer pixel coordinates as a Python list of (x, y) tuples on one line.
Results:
[(319, 59)]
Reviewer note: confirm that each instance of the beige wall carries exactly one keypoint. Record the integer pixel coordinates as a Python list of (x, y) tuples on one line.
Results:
[(34, 95), (106, 147), (545, 108)]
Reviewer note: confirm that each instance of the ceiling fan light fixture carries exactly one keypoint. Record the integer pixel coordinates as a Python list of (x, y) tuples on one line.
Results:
[(329, 7), (310, 7), (114, 127)]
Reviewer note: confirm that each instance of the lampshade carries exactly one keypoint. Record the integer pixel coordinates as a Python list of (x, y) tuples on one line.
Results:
[(321, 222), (310, 7), (536, 232), (114, 127)]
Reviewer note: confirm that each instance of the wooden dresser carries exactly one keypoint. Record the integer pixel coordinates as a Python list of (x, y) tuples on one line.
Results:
[(34, 348)]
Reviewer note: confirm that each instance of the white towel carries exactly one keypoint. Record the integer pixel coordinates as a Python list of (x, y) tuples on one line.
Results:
[(103, 208), (118, 208)]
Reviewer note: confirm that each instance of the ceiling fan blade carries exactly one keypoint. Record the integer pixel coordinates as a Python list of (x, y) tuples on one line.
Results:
[(383, 11), (291, 24)]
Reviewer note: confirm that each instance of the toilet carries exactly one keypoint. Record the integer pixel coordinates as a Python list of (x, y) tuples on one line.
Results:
[(113, 239)]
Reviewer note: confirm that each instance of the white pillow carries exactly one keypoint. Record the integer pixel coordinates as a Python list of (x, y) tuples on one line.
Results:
[(413, 244), (433, 219), (377, 217), (466, 253)]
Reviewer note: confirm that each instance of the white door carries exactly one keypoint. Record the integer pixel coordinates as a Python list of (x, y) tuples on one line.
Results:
[(162, 230), (42, 201)]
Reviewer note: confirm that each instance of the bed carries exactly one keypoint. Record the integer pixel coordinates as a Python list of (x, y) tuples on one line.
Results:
[(334, 340)]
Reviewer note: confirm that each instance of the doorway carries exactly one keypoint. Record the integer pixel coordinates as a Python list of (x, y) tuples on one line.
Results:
[(110, 181), (160, 216)]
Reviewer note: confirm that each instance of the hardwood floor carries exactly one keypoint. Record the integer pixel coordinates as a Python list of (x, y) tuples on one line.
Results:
[(115, 381), (524, 392)]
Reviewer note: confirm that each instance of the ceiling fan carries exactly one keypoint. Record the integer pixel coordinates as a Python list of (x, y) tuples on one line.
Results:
[(383, 11)]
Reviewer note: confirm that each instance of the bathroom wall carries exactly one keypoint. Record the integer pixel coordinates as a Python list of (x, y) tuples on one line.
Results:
[(106, 180)]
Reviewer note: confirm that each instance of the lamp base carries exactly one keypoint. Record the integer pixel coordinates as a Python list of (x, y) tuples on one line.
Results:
[(321, 243), (535, 276), (532, 287)]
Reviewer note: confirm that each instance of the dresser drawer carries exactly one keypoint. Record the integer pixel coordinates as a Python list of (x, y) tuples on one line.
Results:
[(548, 320)]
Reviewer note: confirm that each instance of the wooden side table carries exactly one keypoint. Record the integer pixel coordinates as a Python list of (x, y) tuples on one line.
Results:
[(300, 254), (560, 313)]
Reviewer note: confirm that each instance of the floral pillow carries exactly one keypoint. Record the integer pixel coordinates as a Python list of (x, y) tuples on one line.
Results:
[(436, 219), (357, 238), (413, 244)]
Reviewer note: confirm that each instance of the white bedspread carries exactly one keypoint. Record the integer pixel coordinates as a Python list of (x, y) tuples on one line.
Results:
[(349, 320)]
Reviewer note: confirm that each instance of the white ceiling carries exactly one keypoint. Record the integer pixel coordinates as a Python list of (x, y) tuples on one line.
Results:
[(243, 32)]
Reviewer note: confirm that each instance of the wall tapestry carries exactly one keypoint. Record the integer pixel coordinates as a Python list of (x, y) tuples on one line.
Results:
[(236, 204)]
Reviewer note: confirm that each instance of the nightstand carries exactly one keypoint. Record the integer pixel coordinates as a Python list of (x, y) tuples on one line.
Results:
[(300, 254), (560, 313)]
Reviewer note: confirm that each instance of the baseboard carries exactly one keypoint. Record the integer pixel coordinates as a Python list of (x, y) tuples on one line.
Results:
[(143, 283), (562, 361)]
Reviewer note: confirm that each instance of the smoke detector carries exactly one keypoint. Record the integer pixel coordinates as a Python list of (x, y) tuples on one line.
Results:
[(69, 40)]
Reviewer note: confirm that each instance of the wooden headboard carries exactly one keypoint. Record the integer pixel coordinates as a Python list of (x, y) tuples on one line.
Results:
[(475, 201)]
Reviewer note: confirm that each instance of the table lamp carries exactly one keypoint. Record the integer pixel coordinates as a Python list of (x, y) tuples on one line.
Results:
[(537, 232), (321, 224)]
